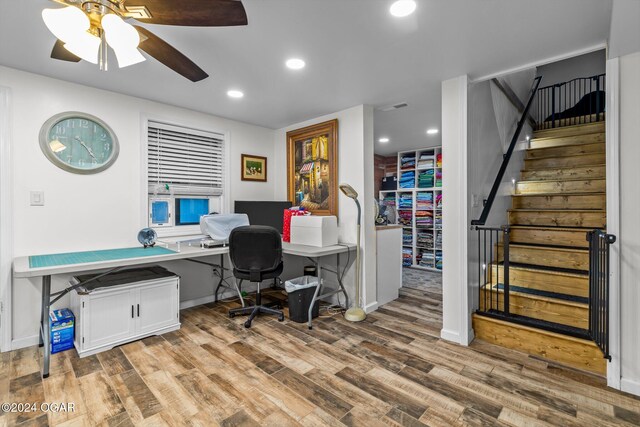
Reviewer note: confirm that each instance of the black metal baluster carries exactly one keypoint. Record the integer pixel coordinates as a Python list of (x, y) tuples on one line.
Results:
[(505, 255)]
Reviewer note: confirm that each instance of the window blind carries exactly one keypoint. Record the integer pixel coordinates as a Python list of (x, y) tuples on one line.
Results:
[(189, 161)]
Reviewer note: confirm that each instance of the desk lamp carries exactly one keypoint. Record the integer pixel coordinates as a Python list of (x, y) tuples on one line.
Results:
[(355, 313)]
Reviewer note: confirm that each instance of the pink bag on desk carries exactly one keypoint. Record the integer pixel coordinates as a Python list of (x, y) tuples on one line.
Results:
[(286, 222)]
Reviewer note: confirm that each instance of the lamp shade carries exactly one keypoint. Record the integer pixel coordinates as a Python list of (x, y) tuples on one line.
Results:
[(348, 191), (123, 39), (85, 46), (66, 23)]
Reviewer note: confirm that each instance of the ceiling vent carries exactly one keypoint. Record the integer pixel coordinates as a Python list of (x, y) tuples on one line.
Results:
[(394, 106)]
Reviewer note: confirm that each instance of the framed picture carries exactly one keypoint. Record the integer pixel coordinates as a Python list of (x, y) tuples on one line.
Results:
[(312, 168), (254, 168)]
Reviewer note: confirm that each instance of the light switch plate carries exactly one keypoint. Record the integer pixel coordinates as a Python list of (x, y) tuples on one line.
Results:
[(37, 198)]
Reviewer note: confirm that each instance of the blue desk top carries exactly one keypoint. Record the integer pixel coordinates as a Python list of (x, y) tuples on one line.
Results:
[(39, 261)]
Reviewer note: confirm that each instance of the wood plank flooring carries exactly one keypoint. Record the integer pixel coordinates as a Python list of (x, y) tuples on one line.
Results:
[(391, 370)]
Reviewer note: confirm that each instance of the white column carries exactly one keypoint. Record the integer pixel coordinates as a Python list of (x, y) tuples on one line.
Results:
[(456, 319)]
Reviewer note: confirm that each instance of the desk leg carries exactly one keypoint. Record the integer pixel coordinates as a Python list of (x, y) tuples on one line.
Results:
[(45, 326), (215, 297), (315, 294)]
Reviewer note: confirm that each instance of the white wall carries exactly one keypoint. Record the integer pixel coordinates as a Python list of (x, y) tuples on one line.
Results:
[(355, 167), (84, 212), (624, 33), (629, 237), (585, 65), (485, 153), (456, 321)]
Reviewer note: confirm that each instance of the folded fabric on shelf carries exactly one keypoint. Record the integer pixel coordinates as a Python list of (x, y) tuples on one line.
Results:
[(427, 259), (425, 239), (407, 237), (424, 201), (407, 180), (405, 201), (389, 199), (425, 179), (439, 201), (439, 160), (439, 179), (407, 257)]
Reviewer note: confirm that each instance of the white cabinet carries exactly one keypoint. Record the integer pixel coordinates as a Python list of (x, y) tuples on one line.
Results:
[(157, 307), (119, 313)]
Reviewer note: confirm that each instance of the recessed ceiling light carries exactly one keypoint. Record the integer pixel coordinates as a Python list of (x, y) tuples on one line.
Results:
[(432, 131), (402, 8), (383, 140), (295, 63), (235, 94)]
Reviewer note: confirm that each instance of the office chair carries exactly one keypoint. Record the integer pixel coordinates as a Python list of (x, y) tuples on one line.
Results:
[(256, 255)]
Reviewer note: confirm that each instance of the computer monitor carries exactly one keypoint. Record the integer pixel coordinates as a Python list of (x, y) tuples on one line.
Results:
[(263, 212)]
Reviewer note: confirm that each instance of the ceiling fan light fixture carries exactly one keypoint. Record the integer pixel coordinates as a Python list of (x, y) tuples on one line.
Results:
[(402, 8), (66, 23), (123, 39), (85, 46)]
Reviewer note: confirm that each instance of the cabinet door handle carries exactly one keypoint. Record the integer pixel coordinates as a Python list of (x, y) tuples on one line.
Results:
[(138, 310), (132, 312)]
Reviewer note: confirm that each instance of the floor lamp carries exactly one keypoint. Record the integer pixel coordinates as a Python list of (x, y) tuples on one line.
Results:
[(355, 313)]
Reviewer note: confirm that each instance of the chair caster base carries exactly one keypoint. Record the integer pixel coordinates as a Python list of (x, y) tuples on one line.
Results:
[(281, 318), (310, 327), (247, 325)]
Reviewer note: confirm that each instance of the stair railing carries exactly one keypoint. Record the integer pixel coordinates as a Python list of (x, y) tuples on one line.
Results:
[(553, 100), (493, 255), (599, 244), (507, 156)]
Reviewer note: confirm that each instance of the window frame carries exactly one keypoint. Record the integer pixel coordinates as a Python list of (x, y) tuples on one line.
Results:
[(215, 201)]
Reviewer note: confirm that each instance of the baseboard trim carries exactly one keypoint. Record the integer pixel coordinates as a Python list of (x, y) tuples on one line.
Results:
[(630, 386), (209, 298), (450, 336), (371, 307)]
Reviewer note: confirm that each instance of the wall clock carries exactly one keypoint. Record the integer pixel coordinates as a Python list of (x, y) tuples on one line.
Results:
[(79, 142)]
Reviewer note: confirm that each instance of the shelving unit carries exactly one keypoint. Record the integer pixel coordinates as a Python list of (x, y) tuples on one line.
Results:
[(418, 201)]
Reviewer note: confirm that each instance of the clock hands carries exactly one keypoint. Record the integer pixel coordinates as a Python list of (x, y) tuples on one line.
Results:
[(85, 146)]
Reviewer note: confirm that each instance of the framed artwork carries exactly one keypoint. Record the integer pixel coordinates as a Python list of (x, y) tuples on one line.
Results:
[(254, 168), (312, 168)]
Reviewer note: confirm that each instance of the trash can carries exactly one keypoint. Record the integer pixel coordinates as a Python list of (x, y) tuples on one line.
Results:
[(300, 293)]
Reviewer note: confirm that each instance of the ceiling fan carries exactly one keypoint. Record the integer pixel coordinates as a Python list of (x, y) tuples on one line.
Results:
[(84, 28)]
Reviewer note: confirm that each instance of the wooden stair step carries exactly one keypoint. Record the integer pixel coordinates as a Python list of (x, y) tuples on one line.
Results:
[(572, 121), (542, 279), (596, 201), (555, 310), (574, 352), (551, 236), (564, 151), (561, 141), (586, 218), (580, 129), (590, 172), (565, 161), (547, 256), (580, 185)]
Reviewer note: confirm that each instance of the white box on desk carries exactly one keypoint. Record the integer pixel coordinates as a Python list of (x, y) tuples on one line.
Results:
[(312, 230)]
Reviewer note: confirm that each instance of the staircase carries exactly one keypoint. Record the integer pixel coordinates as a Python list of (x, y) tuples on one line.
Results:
[(559, 198)]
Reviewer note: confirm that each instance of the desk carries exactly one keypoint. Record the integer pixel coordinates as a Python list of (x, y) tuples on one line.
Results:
[(22, 269)]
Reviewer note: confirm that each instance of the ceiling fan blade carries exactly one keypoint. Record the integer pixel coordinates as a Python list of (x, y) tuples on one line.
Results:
[(169, 56), (59, 52), (193, 13)]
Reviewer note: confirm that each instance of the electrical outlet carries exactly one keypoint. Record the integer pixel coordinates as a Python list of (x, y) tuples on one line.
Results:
[(475, 200), (37, 198)]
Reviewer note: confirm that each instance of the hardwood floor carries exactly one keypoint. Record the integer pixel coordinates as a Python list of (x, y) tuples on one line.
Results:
[(391, 369)]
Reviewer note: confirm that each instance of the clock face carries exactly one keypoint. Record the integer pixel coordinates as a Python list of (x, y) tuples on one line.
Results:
[(79, 143)]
